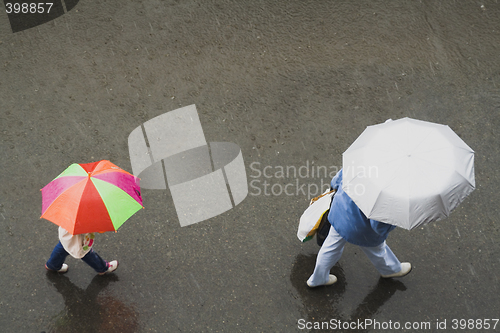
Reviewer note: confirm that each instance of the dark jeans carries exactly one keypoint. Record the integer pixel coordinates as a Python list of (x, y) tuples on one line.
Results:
[(92, 259)]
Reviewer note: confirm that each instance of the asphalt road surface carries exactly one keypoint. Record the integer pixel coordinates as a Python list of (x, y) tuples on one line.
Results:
[(292, 83)]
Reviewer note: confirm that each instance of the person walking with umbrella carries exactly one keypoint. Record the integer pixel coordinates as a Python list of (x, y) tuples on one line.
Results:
[(79, 247), (422, 171), (349, 224), (83, 200)]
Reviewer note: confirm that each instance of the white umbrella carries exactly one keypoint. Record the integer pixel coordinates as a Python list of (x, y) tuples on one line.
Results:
[(408, 172)]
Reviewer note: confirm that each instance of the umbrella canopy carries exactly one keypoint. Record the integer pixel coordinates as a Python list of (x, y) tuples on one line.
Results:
[(93, 197), (408, 172)]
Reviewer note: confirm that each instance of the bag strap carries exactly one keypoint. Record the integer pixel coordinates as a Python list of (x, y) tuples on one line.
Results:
[(313, 200)]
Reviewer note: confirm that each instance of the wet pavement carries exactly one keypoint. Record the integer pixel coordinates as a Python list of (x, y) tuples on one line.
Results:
[(292, 83)]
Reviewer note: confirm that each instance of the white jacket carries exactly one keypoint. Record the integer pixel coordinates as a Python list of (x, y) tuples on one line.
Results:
[(76, 245)]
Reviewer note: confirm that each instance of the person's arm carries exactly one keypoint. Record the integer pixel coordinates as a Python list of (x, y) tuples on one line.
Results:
[(336, 181), (381, 228)]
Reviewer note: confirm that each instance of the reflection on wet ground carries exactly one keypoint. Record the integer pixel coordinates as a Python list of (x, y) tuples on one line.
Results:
[(322, 303), (91, 310)]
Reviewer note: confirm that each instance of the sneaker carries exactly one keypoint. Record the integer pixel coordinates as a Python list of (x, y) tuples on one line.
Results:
[(63, 269), (331, 280), (405, 269), (112, 266)]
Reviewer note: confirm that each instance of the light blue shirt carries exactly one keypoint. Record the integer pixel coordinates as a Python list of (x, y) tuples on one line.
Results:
[(351, 223)]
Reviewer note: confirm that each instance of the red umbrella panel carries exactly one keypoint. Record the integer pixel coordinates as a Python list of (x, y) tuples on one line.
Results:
[(92, 197)]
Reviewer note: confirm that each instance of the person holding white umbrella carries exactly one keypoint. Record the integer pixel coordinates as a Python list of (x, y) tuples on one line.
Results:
[(349, 224), (421, 172)]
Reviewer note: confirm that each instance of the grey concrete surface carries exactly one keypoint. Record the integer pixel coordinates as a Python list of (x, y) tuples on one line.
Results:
[(292, 83)]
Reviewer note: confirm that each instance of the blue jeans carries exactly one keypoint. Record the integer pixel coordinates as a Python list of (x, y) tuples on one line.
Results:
[(92, 259)]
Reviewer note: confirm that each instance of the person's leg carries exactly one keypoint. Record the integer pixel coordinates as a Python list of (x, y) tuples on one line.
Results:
[(328, 255), (383, 259), (56, 260), (96, 262)]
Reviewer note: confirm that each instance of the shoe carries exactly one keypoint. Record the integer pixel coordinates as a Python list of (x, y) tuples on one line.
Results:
[(331, 280), (405, 269), (63, 269), (112, 266)]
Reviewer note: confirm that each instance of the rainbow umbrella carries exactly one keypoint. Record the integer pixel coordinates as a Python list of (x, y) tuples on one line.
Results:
[(92, 197)]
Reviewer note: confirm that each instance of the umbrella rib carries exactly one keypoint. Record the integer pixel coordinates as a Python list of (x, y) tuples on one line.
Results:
[(364, 148), (424, 137), (432, 150), (443, 205), (442, 166), (375, 203), (442, 148), (467, 180)]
